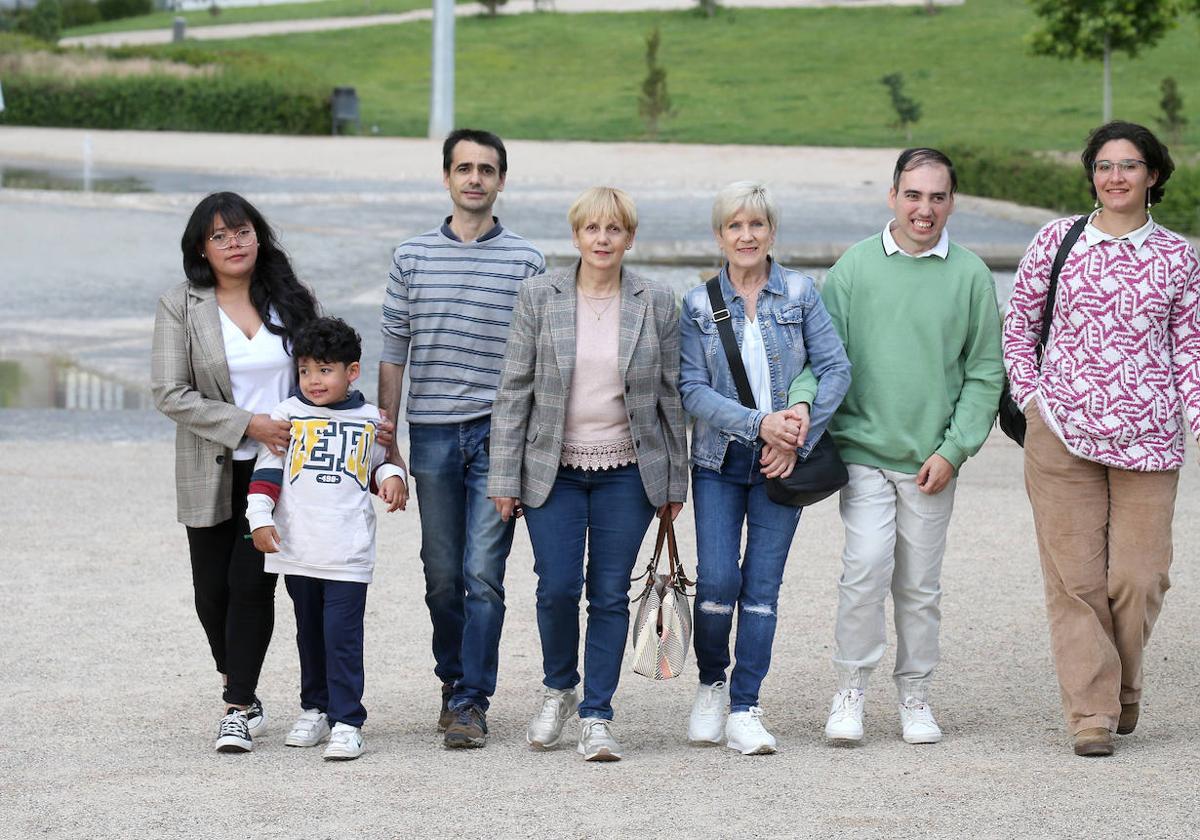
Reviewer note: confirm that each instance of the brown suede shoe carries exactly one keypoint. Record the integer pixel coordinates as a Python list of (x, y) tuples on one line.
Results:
[(1129, 718), (1096, 741), (446, 717)]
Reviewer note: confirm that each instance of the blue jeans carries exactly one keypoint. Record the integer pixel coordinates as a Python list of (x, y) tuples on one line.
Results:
[(610, 509), (329, 635), (464, 548), (723, 501)]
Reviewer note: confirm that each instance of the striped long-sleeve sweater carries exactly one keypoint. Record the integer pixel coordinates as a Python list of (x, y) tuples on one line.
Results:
[(446, 315)]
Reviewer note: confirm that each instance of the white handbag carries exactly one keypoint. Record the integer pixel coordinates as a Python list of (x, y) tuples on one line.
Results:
[(662, 629)]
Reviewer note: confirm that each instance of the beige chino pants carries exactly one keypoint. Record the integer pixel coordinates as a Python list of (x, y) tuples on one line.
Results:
[(1104, 535)]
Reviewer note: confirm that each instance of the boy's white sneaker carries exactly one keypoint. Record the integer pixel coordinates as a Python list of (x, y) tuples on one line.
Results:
[(345, 743), (845, 721), (707, 722), (745, 733), (917, 723), (310, 729), (545, 730), (596, 741), (233, 736)]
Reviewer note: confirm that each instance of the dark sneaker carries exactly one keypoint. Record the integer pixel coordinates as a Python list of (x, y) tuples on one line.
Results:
[(446, 717), (256, 719), (468, 729), (234, 734)]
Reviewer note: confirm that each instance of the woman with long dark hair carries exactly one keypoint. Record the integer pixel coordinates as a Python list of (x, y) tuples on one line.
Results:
[(1104, 403), (221, 361)]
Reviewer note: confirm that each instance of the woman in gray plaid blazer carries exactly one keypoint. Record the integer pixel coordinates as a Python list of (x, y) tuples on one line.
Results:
[(220, 362), (587, 442)]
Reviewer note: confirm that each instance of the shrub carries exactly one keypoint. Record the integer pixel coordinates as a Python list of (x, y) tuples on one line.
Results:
[(1026, 178), (79, 13), (222, 103), (44, 21), (116, 9)]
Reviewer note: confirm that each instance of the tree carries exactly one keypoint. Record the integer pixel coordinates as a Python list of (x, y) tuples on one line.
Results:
[(709, 7), (1172, 122), (654, 102), (492, 5), (1094, 29), (907, 109), (43, 21)]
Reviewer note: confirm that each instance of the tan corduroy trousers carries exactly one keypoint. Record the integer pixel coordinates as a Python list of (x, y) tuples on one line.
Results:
[(1104, 535)]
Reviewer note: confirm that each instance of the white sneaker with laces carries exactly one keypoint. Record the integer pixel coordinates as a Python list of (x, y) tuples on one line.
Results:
[(233, 736), (596, 741), (707, 722), (745, 733), (917, 722), (545, 730), (310, 729), (345, 743), (846, 716)]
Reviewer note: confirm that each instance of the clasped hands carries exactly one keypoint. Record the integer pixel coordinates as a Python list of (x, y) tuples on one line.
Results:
[(783, 432)]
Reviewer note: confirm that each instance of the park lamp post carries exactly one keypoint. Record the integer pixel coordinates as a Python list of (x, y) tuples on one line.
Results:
[(441, 93)]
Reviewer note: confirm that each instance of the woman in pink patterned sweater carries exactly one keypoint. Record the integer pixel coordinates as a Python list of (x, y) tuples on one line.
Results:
[(1105, 431)]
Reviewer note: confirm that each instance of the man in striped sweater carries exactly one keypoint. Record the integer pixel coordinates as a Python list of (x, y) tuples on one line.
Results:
[(446, 315)]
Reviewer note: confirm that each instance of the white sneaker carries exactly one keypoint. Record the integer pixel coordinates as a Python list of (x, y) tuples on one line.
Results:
[(596, 742), (745, 733), (345, 743), (707, 723), (310, 729), (233, 736), (917, 723), (545, 730), (845, 716)]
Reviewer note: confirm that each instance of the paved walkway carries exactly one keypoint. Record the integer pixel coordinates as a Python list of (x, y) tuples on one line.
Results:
[(513, 7)]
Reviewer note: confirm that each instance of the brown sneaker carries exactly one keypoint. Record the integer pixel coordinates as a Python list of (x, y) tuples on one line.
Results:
[(468, 729), (446, 717), (1096, 741), (1129, 718)]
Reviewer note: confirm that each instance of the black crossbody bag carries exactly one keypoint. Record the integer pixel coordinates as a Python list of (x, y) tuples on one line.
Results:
[(818, 476), (1010, 417)]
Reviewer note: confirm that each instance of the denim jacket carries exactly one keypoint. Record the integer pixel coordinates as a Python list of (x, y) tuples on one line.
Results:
[(796, 330)]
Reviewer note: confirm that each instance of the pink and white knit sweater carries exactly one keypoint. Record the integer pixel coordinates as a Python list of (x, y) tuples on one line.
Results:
[(1123, 357)]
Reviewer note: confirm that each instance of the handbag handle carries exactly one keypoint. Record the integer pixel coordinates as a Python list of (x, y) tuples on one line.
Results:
[(733, 356), (677, 578), (1060, 258)]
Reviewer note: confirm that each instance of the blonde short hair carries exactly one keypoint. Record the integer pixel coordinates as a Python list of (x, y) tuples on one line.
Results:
[(744, 195), (599, 204)]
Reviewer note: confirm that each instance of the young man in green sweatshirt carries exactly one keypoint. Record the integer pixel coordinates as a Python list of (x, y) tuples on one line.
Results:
[(919, 320)]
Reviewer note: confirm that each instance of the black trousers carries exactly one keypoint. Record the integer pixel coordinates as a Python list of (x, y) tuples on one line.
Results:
[(235, 598)]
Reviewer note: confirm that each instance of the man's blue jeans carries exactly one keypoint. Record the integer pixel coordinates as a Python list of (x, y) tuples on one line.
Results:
[(610, 509), (464, 548), (723, 502)]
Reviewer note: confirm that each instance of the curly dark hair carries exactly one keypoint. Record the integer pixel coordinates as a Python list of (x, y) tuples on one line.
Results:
[(328, 339), (274, 285), (1153, 151)]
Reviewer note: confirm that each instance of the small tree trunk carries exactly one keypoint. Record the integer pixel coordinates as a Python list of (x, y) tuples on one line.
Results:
[(1107, 81)]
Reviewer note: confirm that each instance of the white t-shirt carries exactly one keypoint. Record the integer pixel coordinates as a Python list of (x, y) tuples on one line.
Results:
[(758, 370), (261, 372)]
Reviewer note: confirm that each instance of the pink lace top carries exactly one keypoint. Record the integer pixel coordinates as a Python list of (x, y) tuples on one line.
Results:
[(1123, 357), (597, 435)]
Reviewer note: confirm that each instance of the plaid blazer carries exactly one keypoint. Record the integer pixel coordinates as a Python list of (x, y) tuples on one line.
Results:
[(189, 379), (530, 411)]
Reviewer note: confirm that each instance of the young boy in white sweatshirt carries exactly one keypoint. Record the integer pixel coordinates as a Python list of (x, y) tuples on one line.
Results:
[(322, 533)]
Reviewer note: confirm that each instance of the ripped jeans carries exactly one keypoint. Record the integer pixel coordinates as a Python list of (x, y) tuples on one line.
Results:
[(725, 501)]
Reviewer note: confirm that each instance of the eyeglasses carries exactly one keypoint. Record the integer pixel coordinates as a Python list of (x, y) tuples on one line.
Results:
[(223, 240), (1127, 166)]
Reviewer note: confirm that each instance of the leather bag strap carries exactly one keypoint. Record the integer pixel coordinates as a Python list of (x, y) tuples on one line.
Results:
[(1059, 259), (733, 356)]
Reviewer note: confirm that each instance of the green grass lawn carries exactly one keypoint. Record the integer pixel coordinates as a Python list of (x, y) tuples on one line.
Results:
[(748, 76), (251, 14)]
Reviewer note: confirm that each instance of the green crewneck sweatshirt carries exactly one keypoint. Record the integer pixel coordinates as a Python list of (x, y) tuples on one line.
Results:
[(923, 337)]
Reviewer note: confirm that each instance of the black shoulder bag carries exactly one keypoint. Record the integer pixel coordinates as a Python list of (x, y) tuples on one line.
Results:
[(1010, 417), (818, 476)]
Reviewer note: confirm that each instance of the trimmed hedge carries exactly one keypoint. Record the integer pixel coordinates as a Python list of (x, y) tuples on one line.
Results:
[(118, 9), (217, 103), (1026, 178)]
